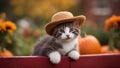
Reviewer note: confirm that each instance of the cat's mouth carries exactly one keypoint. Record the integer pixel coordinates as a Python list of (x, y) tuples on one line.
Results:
[(67, 38)]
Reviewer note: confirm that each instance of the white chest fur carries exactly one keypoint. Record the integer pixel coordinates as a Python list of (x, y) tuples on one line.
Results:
[(68, 46)]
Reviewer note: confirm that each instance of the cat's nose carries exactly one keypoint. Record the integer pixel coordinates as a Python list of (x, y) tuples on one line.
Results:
[(67, 36)]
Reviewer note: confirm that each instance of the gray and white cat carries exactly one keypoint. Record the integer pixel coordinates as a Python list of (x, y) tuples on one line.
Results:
[(64, 41)]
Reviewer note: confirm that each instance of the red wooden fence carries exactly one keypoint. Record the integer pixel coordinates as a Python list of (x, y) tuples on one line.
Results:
[(85, 61)]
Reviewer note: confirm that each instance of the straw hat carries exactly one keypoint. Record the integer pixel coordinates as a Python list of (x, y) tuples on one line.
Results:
[(62, 17)]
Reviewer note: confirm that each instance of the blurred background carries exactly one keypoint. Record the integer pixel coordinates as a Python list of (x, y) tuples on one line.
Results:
[(30, 17)]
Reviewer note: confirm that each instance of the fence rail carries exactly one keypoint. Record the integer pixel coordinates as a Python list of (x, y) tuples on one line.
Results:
[(85, 61)]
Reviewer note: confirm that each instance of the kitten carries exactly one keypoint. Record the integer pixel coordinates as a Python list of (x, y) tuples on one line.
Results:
[(64, 41)]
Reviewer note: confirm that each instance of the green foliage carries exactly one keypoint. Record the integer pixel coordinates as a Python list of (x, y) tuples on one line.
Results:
[(100, 34), (24, 40), (114, 38)]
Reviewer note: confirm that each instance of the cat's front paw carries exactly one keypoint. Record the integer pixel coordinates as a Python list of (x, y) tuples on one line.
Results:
[(74, 55), (55, 57)]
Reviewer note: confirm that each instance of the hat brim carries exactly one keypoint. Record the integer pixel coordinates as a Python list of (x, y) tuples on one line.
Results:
[(50, 26)]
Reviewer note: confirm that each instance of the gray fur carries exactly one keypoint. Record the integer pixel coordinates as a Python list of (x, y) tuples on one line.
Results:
[(48, 44)]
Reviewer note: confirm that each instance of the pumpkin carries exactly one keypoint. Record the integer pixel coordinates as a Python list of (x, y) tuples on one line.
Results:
[(89, 45), (6, 53), (105, 50)]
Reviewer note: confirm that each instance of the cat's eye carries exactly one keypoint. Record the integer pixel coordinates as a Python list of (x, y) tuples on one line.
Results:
[(62, 31), (71, 29)]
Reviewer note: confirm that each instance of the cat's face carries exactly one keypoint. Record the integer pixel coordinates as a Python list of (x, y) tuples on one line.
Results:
[(66, 32)]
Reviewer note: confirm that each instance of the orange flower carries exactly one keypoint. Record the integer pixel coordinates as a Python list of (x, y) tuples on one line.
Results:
[(118, 22), (10, 26), (115, 19), (108, 24), (112, 21), (2, 26)]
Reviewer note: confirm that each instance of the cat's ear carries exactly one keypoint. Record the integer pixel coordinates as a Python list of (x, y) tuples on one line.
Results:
[(76, 24)]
